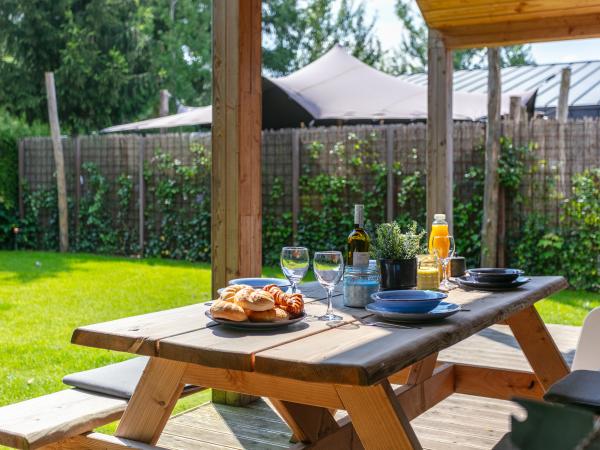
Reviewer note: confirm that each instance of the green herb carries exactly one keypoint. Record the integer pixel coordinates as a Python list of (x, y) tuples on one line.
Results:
[(391, 243)]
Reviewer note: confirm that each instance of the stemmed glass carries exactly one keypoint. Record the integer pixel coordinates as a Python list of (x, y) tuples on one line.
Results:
[(444, 249), (329, 268), (294, 264)]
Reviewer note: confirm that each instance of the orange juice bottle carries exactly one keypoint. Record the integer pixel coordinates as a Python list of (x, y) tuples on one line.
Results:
[(439, 228)]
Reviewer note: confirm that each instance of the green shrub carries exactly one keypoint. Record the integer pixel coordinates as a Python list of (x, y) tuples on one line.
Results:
[(11, 130)]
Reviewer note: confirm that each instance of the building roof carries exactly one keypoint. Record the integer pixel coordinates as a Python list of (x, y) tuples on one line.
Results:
[(338, 87), (584, 89)]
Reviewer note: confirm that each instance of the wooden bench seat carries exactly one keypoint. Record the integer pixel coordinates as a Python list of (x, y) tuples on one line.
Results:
[(51, 418)]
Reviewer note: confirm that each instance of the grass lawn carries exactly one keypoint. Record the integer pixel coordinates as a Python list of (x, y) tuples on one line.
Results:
[(45, 296)]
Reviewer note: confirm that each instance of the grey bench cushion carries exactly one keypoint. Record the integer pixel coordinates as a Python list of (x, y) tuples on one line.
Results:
[(579, 388), (118, 380)]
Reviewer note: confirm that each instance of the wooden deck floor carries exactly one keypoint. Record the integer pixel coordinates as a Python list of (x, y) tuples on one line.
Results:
[(459, 422)]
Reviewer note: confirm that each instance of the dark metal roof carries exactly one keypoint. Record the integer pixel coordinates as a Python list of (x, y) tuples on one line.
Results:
[(584, 91)]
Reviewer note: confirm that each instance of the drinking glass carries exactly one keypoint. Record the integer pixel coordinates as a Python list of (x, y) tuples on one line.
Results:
[(329, 268), (294, 264), (444, 249)]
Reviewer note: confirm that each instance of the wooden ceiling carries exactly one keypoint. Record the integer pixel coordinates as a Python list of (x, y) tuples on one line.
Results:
[(480, 23)]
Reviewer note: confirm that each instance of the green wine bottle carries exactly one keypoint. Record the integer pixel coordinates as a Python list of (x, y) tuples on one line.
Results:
[(358, 240)]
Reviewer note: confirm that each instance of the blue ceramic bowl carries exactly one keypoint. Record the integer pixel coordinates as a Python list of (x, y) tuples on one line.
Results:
[(408, 301), (259, 283)]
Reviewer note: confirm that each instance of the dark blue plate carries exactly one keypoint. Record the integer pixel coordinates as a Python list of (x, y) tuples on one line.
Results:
[(469, 282), (408, 301), (443, 310)]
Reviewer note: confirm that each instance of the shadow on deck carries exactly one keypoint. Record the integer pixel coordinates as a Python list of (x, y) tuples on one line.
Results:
[(458, 422)]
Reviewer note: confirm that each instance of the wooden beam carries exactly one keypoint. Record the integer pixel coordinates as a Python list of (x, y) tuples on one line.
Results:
[(538, 346), (98, 441), (439, 129), (491, 382), (236, 136), (153, 401), (562, 114), (489, 227), (59, 162), (163, 106), (443, 13), (522, 32), (378, 417)]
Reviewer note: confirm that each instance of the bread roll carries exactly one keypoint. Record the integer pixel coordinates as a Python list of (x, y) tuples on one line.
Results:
[(256, 301), (281, 314), (262, 316), (227, 310)]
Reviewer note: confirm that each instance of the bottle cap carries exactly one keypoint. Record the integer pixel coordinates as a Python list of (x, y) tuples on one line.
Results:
[(439, 217)]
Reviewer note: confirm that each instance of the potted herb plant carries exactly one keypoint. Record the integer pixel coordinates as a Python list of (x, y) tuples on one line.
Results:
[(397, 252)]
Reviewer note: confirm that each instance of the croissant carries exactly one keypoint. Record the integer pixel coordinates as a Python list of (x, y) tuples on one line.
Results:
[(278, 295), (294, 304)]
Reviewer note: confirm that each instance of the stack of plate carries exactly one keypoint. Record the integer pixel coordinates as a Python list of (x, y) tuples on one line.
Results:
[(492, 279), (411, 306)]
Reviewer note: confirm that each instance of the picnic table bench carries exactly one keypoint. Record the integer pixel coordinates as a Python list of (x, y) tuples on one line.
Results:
[(383, 377)]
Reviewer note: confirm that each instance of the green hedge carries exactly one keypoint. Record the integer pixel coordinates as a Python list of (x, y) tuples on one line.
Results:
[(11, 130)]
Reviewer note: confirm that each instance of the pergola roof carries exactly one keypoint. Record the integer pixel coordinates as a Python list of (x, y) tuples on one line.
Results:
[(479, 23)]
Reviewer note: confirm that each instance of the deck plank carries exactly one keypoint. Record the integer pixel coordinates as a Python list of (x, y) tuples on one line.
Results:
[(458, 422)]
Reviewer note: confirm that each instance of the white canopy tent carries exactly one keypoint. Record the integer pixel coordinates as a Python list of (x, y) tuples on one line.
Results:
[(336, 87)]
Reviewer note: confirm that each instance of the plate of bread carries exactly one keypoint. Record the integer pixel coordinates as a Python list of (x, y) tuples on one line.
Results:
[(241, 306)]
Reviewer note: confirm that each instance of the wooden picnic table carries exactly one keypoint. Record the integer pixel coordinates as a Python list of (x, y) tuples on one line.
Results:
[(382, 376)]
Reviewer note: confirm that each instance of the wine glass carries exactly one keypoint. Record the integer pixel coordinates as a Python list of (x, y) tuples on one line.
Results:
[(294, 264), (444, 248), (329, 268)]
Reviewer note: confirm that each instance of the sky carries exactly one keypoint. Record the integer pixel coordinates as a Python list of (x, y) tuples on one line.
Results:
[(388, 26)]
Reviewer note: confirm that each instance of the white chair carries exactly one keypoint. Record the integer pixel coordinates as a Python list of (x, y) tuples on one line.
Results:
[(587, 354)]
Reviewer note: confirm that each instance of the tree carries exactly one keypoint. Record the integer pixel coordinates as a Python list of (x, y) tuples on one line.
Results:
[(296, 34), (110, 57), (412, 55)]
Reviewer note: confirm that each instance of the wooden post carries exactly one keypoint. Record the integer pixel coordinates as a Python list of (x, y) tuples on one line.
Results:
[(163, 106), (141, 194), (489, 228), (77, 184), (236, 226), (439, 129), (295, 183), (59, 161), (562, 114), (389, 161), (515, 109), (21, 179)]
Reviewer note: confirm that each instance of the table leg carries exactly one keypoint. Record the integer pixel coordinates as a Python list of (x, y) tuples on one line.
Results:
[(308, 423), (378, 417), (153, 401), (538, 346)]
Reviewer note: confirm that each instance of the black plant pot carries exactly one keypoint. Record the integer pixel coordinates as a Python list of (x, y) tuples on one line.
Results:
[(398, 273)]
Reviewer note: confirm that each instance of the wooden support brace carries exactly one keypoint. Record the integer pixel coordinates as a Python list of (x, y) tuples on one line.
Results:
[(538, 346)]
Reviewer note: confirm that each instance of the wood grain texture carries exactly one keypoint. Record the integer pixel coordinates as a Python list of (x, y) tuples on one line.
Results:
[(43, 420), (442, 14), (422, 370), (490, 382), (539, 347), (308, 423), (521, 32), (153, 400), (236, 141), (59, 163), (439, 158), (378, 417), (141, 334), (263, 385), (235, 349), (98, 441), (363, 355), (489, 225)]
